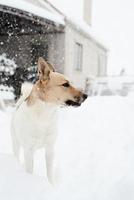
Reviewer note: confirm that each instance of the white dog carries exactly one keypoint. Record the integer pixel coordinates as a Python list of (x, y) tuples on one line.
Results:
[(34, 122)]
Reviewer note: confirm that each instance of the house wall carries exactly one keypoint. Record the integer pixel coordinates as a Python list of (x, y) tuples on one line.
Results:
[(20, 47), (94, 57), (56, 53), (102, 62)]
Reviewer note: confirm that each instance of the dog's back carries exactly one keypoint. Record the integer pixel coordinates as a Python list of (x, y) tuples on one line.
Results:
[(25, 92)]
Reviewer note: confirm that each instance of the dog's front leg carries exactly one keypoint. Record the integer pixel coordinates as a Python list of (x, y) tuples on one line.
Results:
[(50, 162), (28, 158)]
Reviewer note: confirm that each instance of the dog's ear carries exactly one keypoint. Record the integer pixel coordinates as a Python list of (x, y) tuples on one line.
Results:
[(43, 69), (51, 67)]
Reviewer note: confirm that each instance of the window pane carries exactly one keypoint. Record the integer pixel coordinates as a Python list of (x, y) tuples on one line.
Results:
[(78, 56)]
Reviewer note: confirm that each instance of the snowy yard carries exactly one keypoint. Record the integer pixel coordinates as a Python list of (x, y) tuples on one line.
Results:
[(95, 151)]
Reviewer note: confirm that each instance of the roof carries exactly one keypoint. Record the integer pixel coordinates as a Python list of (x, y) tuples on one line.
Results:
[(83, 27), (53, 14), (33, 9)]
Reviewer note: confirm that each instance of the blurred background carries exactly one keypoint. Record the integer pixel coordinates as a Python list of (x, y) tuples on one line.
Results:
[(92, 43)]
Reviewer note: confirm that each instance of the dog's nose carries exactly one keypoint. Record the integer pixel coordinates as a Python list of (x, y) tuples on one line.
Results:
[(84, 96)]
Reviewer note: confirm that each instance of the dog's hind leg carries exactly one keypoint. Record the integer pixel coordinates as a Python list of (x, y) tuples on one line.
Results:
[(15, 143), (28, 158)]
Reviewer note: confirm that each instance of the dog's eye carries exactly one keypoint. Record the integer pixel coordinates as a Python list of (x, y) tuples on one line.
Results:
[(66, 85)]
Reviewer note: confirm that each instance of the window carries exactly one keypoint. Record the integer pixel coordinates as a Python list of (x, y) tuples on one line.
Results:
[(78, 56), (101, 65)]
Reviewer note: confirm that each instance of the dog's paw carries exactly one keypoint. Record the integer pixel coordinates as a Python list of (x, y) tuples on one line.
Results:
[(52, 181), (55, 181)]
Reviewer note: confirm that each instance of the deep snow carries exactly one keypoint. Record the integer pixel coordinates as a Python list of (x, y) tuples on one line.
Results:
[(95, 152)]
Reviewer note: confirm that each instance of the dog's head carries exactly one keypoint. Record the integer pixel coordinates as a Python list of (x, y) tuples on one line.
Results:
[(53, 87)]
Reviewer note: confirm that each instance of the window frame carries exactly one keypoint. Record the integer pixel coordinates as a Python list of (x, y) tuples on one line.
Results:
[(78, 56)]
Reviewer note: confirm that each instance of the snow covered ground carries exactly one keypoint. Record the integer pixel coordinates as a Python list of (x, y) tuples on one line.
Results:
[(95, 151)]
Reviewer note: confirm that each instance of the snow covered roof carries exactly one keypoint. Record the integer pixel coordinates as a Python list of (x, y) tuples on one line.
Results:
[(81, 25), (33, 9), (78, 23), (51, 13)]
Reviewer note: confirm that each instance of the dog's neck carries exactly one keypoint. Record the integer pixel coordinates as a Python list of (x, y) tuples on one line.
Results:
[(34, 102), (36, 94), (42, 109)]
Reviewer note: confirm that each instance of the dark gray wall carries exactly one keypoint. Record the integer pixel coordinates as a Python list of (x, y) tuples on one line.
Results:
[(23, 48)]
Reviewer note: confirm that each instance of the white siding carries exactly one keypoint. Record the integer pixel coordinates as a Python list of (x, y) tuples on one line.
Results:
[(91, 65), (56, 53)]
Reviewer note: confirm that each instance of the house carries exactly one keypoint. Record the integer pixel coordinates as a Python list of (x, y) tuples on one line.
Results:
[(33, 28)]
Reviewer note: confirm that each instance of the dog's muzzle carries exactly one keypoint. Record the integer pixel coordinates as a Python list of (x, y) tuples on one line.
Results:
[(78, 101)]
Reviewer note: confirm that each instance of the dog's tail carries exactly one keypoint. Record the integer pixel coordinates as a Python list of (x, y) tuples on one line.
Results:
[(26, 89)]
